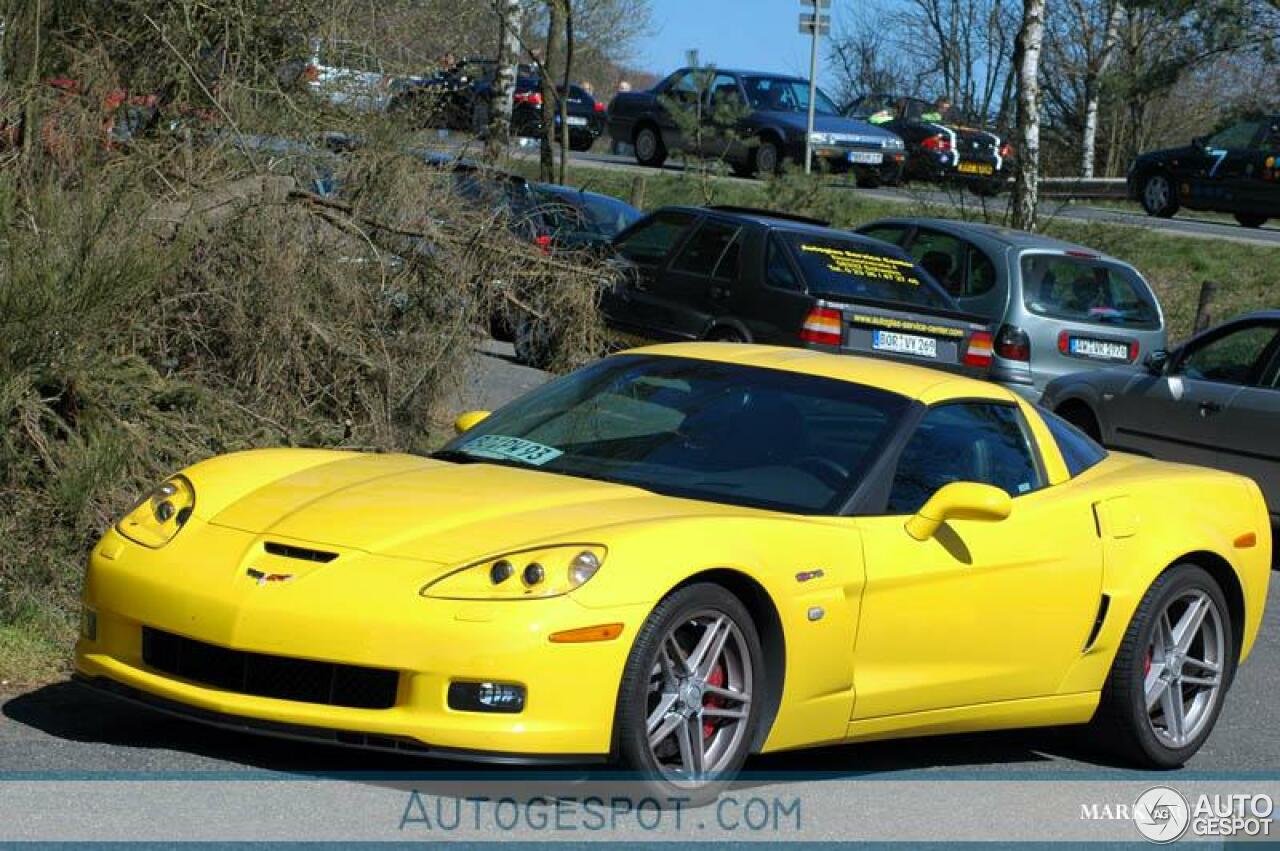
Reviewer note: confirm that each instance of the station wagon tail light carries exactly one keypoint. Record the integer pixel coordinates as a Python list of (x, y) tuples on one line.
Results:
[(822, 326), (531, 98), (941, 144), (524, 575), (1064, 342), (1134, 348), (1013, 344), (979, 351), (599, 106)]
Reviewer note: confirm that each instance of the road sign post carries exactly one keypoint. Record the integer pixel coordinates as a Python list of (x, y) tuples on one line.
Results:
[(816, 25)]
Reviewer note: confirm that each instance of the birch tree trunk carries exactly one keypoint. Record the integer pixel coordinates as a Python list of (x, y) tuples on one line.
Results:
[(550, 59), (1093, 91), (504, 83), (564, 99), (1026, 186)]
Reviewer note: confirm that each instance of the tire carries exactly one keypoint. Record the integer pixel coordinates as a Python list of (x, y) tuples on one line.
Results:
[(1123, 722), (1080, 416), (725, 334), (650, 151), (1251, 220), (1159, 196), (766, 159), (655, 677)]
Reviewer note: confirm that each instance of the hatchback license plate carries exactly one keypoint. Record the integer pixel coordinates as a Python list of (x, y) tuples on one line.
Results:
[(577, 121), (904, 344), (1099, 349), (976, 168), (865, 157)]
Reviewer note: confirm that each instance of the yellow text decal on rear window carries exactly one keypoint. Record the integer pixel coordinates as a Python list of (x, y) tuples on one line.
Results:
[(905, 325), (874, 266)]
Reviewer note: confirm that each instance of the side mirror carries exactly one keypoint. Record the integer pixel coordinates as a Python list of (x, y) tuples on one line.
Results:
[(469, 420), (1156, 362), (959, 501)]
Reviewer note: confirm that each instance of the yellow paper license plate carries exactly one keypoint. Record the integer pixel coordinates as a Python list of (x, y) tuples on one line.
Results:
[(976, 168)]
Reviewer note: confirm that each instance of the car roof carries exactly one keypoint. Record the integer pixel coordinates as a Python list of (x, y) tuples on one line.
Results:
[(568, 192), (743, 72), (995, 233), (915, 382), (779, 221)]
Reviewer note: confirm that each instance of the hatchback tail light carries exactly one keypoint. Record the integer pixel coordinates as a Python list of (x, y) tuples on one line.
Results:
[(599, 106), (979, 351), (1006, 150), (1013, 344), (939, 143), (531, 98), (822, 326)]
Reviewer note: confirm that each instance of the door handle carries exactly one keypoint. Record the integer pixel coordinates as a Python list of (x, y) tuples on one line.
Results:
[(1209, 407)]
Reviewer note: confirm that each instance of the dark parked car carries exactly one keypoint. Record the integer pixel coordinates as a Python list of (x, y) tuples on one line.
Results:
[(586, 114), (941, 145), (753, 121), (447, 98), (1233, 171), (1213, 401), (738, 275)]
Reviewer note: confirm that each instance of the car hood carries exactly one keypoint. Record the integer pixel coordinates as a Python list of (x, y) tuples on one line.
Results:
[(411, 507), (798, 121), (1165, 154)]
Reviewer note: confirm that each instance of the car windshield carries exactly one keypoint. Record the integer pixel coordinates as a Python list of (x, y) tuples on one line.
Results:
[(783, 94), (696, 428), (853, 269), (587, 215), (1084, 289)]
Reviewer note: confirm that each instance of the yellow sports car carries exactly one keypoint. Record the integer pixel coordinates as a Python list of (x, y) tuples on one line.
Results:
[(685, 554)]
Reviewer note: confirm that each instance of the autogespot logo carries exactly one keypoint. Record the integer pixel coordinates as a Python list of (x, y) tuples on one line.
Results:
[(1161, 814)]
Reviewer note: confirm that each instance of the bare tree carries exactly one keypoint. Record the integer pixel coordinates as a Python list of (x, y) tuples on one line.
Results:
[(550, 59), (1026, 188), (504, 81), (563, 102)]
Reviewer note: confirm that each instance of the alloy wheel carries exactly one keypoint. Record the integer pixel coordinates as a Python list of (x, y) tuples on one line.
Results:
[(1183, 670), (646, 145), (699, 699), (1156, 193)]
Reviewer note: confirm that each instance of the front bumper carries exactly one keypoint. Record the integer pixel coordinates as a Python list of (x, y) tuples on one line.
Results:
[(366, 613), (836, 159)]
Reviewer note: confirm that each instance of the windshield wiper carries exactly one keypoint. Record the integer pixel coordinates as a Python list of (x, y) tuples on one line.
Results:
[(457, 456)]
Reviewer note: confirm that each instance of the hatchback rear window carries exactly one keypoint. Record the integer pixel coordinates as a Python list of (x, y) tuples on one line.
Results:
[(857, 270), (1083, 289)]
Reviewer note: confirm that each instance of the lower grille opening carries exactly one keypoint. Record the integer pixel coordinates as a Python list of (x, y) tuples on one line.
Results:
[(263, 675)]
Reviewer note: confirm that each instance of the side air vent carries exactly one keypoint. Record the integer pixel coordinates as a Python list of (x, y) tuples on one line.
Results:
[(1103, 605), (300, 553)]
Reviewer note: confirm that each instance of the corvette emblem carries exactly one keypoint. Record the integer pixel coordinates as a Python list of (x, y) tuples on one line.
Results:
[(262, 578)]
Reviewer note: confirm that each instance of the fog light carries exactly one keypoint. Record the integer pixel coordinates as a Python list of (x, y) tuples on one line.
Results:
[(500, 572), (533, 574), (89, 624), (486, 697)]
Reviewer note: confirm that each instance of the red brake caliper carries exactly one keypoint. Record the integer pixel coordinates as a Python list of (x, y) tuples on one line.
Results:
[(716, 679)]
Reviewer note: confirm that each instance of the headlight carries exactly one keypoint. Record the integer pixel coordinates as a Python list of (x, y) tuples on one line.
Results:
[(161, 514), (822, 139), (528, 574)]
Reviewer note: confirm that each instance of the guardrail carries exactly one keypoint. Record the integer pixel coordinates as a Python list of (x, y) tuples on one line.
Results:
[(1084, 189)]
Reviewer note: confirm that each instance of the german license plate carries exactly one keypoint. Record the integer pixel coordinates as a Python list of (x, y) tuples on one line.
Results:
[(577, 121), (904, 344), (1099, 349), (865, 157), (976, 168)]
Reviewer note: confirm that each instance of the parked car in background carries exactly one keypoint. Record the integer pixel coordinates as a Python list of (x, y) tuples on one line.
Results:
[(1214, 401), (1232, 171), (1057, 307), (769, 121), (941, 144), (754, 276), (348, 75), (446, 98), (586, 114)]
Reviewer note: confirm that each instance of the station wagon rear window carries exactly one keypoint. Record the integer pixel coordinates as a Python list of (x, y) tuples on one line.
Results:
[(854, 270), (1083, 289)]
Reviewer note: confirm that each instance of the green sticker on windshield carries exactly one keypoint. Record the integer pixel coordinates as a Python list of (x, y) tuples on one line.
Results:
[(511, 449), (874, 266)]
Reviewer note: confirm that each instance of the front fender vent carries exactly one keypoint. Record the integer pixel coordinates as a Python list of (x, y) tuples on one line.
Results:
[(301, 553), (1103, 605)]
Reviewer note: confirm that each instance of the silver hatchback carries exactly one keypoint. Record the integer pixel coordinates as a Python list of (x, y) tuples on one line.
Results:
[(1057, 308)]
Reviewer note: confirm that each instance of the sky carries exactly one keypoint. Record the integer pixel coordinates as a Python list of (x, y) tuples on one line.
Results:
[(761, 35)]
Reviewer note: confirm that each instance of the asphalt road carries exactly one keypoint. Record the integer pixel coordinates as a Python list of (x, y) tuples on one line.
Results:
[(1186, 224)]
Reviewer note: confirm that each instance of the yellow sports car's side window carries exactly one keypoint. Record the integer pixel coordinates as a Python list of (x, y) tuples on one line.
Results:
[(982, 442)]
